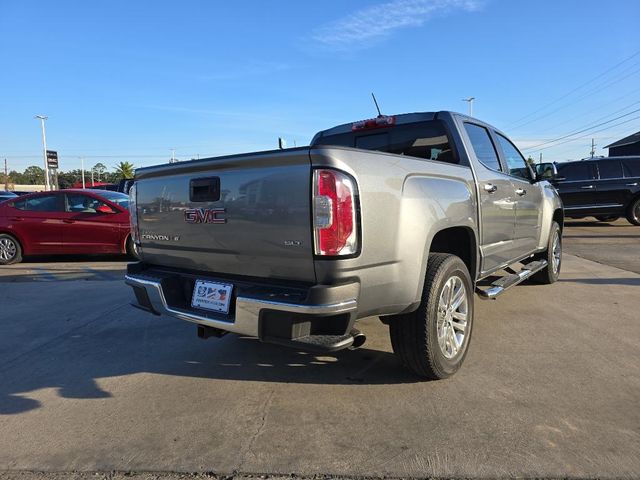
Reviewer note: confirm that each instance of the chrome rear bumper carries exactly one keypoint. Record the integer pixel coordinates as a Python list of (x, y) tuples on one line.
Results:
[(245, 321)]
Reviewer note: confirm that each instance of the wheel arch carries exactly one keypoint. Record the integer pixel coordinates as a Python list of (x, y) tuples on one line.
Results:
[(459, 241)]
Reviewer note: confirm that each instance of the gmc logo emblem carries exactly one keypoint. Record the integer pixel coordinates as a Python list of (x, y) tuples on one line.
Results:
[(205, 215)]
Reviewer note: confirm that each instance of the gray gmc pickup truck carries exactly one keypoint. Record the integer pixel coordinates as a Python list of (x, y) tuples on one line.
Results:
[(403, 217)]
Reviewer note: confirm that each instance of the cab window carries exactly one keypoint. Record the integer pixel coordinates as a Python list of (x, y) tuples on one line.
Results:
[(483, 146), (575, 171), (516, 163)]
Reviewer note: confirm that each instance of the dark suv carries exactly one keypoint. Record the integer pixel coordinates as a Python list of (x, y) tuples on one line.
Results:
[(605, 188)]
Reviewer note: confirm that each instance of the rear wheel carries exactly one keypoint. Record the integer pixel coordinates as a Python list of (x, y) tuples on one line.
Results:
[(10, 250), (130, 247), (553, 256), (433, 341), (633, 213), (610, 218)]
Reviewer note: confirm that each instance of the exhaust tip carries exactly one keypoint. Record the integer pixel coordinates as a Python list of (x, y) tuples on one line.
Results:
[(359, 339)]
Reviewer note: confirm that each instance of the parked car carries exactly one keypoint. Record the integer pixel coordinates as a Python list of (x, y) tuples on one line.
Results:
[(4, 195), (606, 188), (403, 217), (64, 222)]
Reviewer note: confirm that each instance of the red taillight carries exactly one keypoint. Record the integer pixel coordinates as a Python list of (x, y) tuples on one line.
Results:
[(381, 121), (334, 213)]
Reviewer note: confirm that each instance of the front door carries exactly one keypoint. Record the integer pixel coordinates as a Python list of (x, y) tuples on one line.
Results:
[(576, 185), (528, 197), (497, 203), (87, 230)]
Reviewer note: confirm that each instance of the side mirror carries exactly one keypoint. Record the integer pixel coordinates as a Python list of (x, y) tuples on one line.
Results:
[(546, 171), (105, 209)]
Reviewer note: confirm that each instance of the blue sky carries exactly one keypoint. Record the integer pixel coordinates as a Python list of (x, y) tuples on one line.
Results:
[(124, 80)]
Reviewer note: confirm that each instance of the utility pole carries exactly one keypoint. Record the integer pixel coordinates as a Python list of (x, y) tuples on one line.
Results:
[(47, 185), (82, 163), (173, 155), (6, 176), (470, 102), (540, 158), (593, 148), (92, 183)]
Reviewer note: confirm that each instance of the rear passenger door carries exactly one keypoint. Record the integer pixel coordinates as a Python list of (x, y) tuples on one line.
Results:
[(611, 189), (631, 173), (37, 220), (497, 203), (577, 187)]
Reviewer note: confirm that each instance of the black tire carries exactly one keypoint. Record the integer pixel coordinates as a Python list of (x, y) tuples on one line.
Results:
[(10, 250), (414, 336), (610, 218), (633, 212), (551, 272), (131, 250)]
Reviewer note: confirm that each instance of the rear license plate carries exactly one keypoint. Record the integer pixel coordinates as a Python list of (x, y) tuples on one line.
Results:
[(212, 296)]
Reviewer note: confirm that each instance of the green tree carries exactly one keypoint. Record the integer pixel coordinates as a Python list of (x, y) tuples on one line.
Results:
[(531, 161), (34, 175), (16, 178), (124, 170), (99, 169)]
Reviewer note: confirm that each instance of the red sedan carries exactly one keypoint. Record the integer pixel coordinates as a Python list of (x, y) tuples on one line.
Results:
[(64, 222)]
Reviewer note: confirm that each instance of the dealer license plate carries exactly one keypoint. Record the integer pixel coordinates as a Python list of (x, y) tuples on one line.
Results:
[(212, 296)]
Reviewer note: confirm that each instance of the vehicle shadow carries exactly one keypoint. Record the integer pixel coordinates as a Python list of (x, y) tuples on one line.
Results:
[(600, 236), (634, 282), (76, 258), (595, 223), (73, 364)]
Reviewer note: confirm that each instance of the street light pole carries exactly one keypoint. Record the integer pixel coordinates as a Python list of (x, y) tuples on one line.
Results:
[(470, 102), (82, 163), (47, 185)]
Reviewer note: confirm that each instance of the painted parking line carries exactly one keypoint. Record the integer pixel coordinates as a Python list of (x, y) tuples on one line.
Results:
[(44, 274), (106, 275)]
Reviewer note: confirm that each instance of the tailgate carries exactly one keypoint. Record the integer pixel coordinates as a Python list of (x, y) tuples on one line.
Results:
[(257, 223)]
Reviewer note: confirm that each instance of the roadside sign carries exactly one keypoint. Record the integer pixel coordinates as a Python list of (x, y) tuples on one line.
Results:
[(52, 159)]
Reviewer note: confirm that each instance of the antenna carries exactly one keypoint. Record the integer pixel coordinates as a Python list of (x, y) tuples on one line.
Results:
[(376, 102)]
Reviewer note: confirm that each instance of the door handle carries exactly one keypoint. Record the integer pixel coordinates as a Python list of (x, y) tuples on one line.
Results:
[(521, 191), (587, 187), (635, 184), (67, 220), (490, 188), (17, 219)]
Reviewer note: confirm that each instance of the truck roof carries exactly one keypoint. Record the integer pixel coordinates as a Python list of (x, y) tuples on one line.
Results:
[(400, 119)]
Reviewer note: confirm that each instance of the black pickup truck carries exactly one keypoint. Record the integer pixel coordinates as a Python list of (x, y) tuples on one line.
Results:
[(605, 188)]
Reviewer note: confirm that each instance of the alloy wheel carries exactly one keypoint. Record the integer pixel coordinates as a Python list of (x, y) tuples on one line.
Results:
[(8, 249), (453, 310)]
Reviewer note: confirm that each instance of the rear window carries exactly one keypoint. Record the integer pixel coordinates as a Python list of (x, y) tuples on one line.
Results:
[(631, 167), (41, 203), (426, 140), (610, 169)]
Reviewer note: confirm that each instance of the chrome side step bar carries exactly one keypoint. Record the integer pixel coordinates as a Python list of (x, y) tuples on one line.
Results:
[(504, 283)]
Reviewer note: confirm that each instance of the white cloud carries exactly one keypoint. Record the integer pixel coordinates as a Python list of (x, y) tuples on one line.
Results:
[(364, 26)]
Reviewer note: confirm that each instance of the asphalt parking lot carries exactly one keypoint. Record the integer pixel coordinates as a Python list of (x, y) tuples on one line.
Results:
[(550, 388)]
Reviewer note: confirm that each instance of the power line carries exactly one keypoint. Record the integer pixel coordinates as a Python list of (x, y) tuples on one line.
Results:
[(599, 108), (577, 88), (599, 88), (584, 129), (587, 134)]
